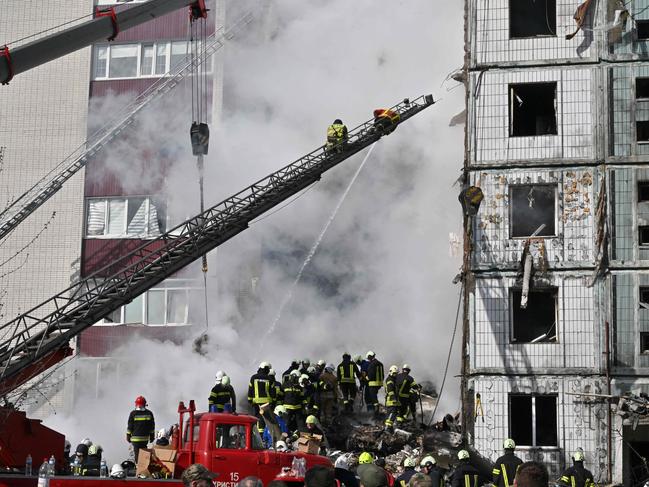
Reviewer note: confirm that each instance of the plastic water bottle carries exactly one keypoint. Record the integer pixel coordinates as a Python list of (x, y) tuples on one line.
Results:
[(28, 465), (52, 465), (44, 474), (76, 467), (103, 469)]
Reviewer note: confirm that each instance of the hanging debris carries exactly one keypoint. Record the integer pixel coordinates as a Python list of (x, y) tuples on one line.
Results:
[(470, 199)]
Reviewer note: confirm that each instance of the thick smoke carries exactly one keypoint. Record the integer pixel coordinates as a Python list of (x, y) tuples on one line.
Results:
[(381, 277)]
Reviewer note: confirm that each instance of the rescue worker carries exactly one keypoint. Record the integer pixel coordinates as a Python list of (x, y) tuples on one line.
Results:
[(140, 429), (294, 401), (465, 474), (81, 456), (346, 373), (313, 427), (405, 385), (506, 466), (92, 464), (310, 395), (320, 366), (429, 466), (261, 391), (337, 136), (328, 394), (391, 398), (363, 364), (577, 475), (304, 366), (408, 471), (375, 377), (386, 120), (279, 394), (222, 393), (295, 365), (276, 428)]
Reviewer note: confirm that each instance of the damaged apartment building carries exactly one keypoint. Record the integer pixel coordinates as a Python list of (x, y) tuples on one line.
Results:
[(557, 256)]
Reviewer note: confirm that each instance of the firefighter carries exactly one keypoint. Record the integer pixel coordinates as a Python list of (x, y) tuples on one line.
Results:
[(337, 136), (577, 475), (293, 401), (295, 365), (408, 471), (310, 394), (328, 393), (81, 457), (92, 466), (429, 466), (346, 373), (506, 466), (261, 390), (313, 427), (465, 474), (141, 426), (320, 366), (304, 366), (279, 394), (405, 386), (391, 398), (375, 378), (222, 395), (276, 428), (386, 120)]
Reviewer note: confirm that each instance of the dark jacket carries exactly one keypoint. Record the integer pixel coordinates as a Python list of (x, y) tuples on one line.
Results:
[(375, 374), (404, 383), (221, 395), (466, 475), (577, 476), (505, 469), (347, 371), (403, 479), (141, 426), (261, 388), (293, 395)]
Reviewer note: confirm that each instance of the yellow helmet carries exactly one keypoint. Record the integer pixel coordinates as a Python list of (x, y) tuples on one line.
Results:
[(409, 462), (311, 419), (578, 456), (509, 444), (365, 457)]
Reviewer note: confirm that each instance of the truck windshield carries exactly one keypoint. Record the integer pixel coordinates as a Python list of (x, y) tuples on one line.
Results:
[(257, 444), (196, 431), (231, 436)]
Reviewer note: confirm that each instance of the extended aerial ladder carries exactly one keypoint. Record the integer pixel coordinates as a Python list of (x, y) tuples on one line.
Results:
[(32, 343), (51, 183)]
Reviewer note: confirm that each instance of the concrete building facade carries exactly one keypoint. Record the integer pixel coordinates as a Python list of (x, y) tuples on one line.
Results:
[(557, 138)]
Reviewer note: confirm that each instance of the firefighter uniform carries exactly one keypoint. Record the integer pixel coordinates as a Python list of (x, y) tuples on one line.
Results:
[(375, 377), (336, 136), (405, 386), (577, 476), (294, 402), (386, 120), (261, 390), (346, 373), (328, 394), (505, 469), (221, 395), (465, 475), (140, 429), (391, 400)]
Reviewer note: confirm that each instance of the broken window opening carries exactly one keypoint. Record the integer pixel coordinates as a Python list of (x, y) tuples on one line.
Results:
[(642, 131), (532, 205), (537, 322), (533, 419), (643, 236), (644, 297), (532, 18), (641, 88), (644, 342), (532, 109), (642, 29), (643, 191)]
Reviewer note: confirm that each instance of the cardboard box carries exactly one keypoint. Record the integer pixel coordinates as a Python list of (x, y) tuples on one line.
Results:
[(309, 443), (156, 463), (165, 454), (143, 463)]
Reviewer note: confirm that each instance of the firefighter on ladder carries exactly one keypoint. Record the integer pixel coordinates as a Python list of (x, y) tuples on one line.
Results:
[(506, 466), (141, 426), (386, 120), (337, 136)]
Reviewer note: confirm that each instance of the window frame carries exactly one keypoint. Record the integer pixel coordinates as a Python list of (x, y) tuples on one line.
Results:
[(547, 290), (511, 92), (538, 36), (555, 186), (534, 432), (644, 337), (148, 201)]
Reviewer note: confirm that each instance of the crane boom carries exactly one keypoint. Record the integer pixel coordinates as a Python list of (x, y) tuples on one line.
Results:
[(58, 44), (51, 183), (30, 341)]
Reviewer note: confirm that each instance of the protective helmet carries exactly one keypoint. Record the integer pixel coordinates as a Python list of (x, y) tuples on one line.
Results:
[(509, 444), (225, 380), (304, 378), (322, 363), (338, 122), (409, 462), (295, 373), (311, 419), (271, 372), (578, 456), (264, 365), (306, 361), (162, 433), (428, 461), (342, 461), (358, 358), (95, 450), (330, 367), (280, 410), (117, 472), (370, 354), (295, 362), (311, 369), (219, 374), (140, 402), (393, 369), (366, 457), (405, 367), (346, 354), (463, 455), (82, 448), (281, 446)]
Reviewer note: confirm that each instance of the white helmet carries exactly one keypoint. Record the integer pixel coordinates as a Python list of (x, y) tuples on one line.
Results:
[(264, 365), (393, 369), (369, 354), (271, 372), (342, 461), (330, 367), (295, 373), (281, 446), (279, 410), (87, 442), (321, 363), (304, 378), (311, 369), (117, 472), (405, 367), (162, 433), (225, 380), (219, 374)]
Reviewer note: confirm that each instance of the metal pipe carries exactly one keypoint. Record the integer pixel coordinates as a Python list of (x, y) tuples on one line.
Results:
[(48, 48)]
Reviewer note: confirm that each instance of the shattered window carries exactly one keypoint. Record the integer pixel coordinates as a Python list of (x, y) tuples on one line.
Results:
[(644, 297), (642, 29), (644, 342), (531, 206), (537, 321), (532, 109), (642, 131), (532, 18), (642, 87), (533, 419), (643, 236)]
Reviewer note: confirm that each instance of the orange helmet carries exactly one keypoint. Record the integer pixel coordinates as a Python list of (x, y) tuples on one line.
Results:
[(140, 402)]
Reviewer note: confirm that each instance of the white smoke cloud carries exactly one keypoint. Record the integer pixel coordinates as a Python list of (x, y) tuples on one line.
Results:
[(381, 278)]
